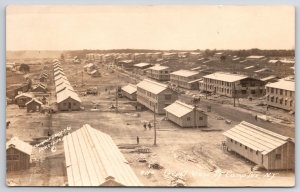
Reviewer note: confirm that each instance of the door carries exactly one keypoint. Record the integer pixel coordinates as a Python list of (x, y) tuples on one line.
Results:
[(70, 106)]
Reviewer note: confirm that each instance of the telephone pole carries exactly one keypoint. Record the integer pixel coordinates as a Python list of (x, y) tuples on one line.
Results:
[(154, 125)]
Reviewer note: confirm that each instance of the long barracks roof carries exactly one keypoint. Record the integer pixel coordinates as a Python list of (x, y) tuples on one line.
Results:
[(65, 94), (179, 109), (129, 88), (158, 67), (93, 159), (283, 84), (256, 138), (19, 145), (152, 86), (227, 77), (184, 73), (63, 86)]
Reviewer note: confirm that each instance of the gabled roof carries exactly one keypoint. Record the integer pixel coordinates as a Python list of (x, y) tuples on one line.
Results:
[(19, 145), (158, 67), (152, 86), (184, 73), (58, 68), (179, 109), (283, 84), (256, 138), (40, 85), (65, 94), (88, 65), (58, 72), (61, 80), (130, 88), (93, 159), (255, 57), (227, 77), (34, 100), (62, 86), (94, 71), (24, 95)]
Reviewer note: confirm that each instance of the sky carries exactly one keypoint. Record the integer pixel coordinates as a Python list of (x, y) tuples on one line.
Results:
[(149, 27)]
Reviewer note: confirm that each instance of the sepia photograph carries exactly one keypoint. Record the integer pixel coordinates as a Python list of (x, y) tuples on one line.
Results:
[(150, 95)]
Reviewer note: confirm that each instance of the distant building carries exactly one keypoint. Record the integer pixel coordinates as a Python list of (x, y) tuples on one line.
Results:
[(281, 94), (232, 85), (255, 57), (18, 155), (154, 95), (95, 73), (170, 56), (185, 78), (22, 99), (129, 91), (34, 105), (140, 68), (68, 100), (270, 79), (89, 67), (261, 146), (126, 64), (39, 88), (159, 72), (98, 158), (186, 115)]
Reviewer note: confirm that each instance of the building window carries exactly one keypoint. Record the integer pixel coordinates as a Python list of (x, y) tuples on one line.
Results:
[(241, 145), (252, 91), (188, 118), (231, 140), (285, 102), (12, 157), (246, 147), (276, 99), (235, 142), (278, 156), (201, 118), (281, 92), (291, 103), (244, 92), (256, 152), (251, 150), (272, 90)]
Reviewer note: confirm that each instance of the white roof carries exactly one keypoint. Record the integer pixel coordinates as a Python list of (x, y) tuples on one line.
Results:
[(141, 64), (35, 100), (62, 86), (179, 109), (65, 94), (94, 71), (273, 61), (185, 73), (58, 72), (129, 88), (61, 80), (58, 68), (152, 86), (158, 67), (20, 145), (249, 67), (227, 77), (93, 159), (88, 65), (256, 138), (255, 57), (268, 78), (283, 84), (24, 95)]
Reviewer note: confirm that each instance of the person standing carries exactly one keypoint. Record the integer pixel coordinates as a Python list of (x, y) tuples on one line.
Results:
[(137, 140), (145, 126)]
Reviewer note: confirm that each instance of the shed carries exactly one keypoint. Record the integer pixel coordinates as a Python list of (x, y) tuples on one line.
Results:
[(17, 155), (129, 91), (186, 115), (22, 99), (34, 105), (93, 159), (263, 147)]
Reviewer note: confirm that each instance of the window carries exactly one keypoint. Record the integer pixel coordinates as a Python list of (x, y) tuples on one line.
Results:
[(272, 90), (235, 142), (244, 92), (231, 140), (201, 118), (251, 150), (281, 92), (241, 145), (188, 118), (277, 156), (252, 91), (256, 152), (246, 147), (12, 157)]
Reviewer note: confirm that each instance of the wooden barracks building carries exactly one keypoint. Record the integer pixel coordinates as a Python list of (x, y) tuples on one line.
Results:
[(261, 146)]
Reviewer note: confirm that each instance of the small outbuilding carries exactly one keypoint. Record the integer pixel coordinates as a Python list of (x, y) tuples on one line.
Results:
[(34, 105), (18, 155), (262, 147), (129, 91), (22, 99), (185, 115)]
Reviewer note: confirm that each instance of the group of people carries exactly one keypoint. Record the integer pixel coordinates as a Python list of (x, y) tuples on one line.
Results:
[(149, 126)]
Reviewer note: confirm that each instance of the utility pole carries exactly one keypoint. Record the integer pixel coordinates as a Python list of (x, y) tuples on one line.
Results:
[(154, 124), (234, 94), (82, 78), (117, 94)]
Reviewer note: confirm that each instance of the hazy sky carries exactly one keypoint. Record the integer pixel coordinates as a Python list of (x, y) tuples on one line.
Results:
[(150, 27)]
